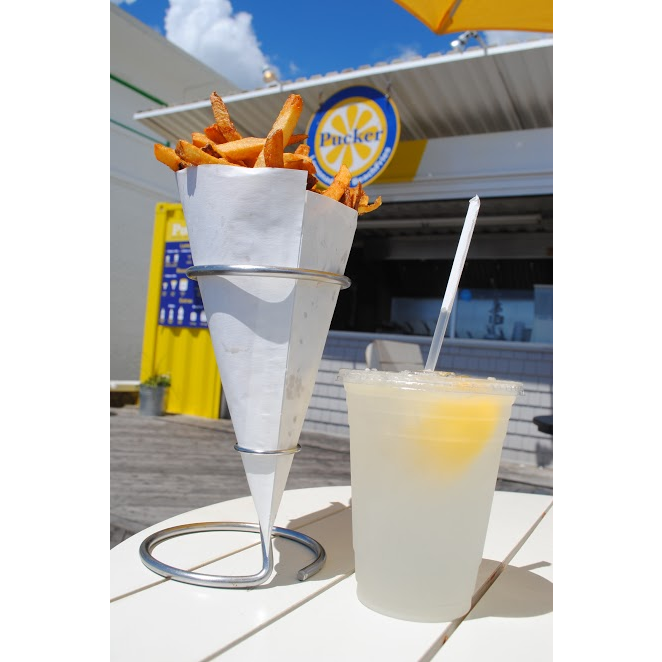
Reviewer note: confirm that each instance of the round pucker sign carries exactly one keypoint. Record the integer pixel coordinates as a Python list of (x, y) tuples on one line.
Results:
[(358, 126)]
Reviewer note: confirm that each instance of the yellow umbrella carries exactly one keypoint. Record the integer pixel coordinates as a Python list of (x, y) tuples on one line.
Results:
[(445, 16)]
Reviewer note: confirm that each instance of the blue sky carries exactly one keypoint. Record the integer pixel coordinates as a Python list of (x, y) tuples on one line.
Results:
[(299, 38)]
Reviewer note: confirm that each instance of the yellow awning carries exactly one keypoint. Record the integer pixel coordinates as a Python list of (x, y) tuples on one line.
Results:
[(446, 16)]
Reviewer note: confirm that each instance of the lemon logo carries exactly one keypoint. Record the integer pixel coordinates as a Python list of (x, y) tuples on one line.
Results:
[(358, 127)]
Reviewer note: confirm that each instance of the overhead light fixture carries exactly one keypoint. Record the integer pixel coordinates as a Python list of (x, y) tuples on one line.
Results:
[(269, 75), (459, 45)]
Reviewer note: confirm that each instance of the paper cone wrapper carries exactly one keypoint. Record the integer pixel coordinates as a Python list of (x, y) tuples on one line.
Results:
[(268, 332)]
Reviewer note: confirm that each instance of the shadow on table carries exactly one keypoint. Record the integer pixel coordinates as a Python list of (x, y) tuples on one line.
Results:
[(517, 593), (332, 528), (333, 508)]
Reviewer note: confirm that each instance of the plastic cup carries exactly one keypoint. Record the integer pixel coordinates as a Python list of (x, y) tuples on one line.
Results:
[(424, 452)]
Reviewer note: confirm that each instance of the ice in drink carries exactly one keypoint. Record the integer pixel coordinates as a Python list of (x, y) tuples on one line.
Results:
[(424, 451)]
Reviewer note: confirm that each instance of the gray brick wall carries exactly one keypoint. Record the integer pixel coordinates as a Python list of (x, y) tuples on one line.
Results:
[(529, 363)]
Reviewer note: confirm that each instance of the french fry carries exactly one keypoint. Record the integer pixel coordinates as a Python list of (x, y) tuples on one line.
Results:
[(339, 184), (286, 121), (222, 118), (358, 196), (350, 197), (196, 156), (248, 148), (304, 150), (168, 156), (311, 182), (273, 150), (299, 162), (214, 134), (249, 161), (240, 149), (204, 143), (243, 164), (364, 209), (200, 139)]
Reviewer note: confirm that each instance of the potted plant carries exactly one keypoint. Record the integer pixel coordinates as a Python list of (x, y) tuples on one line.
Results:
[(152, 395)]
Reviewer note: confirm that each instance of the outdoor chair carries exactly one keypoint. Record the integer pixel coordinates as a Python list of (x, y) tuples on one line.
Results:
[(393, 355)]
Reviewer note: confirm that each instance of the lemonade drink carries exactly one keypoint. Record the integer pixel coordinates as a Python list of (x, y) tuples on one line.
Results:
[(424, 450)]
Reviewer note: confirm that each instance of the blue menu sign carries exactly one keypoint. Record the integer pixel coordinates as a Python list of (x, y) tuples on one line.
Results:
[(181, 302)]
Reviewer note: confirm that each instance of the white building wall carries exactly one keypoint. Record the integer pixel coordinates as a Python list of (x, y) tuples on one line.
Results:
[(508, 163), (137, 183), (143, 66)]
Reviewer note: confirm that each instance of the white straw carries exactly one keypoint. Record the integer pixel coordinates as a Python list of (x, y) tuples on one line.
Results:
[(453, 282)]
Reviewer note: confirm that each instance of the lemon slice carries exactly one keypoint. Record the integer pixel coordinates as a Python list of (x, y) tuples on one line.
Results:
[(453, 433)]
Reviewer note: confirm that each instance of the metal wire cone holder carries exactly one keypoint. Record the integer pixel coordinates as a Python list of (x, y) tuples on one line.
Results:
[(242, 581)]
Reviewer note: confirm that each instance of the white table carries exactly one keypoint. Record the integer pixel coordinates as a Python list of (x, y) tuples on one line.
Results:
[(153, 618)]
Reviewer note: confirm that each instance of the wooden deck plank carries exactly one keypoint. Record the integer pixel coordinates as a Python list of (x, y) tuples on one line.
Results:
[(164, 466)]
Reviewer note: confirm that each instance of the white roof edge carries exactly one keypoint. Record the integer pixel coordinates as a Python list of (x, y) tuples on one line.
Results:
[(170, 110), (430, 60)]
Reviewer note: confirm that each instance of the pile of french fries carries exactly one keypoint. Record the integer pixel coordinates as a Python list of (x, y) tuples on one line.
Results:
[(221, 144)]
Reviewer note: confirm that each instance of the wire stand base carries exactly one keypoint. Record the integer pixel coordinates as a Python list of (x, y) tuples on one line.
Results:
[(224, 581), (227, 581), (242, 581)]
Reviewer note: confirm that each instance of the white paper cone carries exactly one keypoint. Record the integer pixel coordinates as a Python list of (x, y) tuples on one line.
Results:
[(267, 476), (268, 332)]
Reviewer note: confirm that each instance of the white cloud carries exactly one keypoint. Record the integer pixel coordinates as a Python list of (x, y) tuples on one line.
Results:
[(407, 53), (503, 37), (211, 32), (119, 2)]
